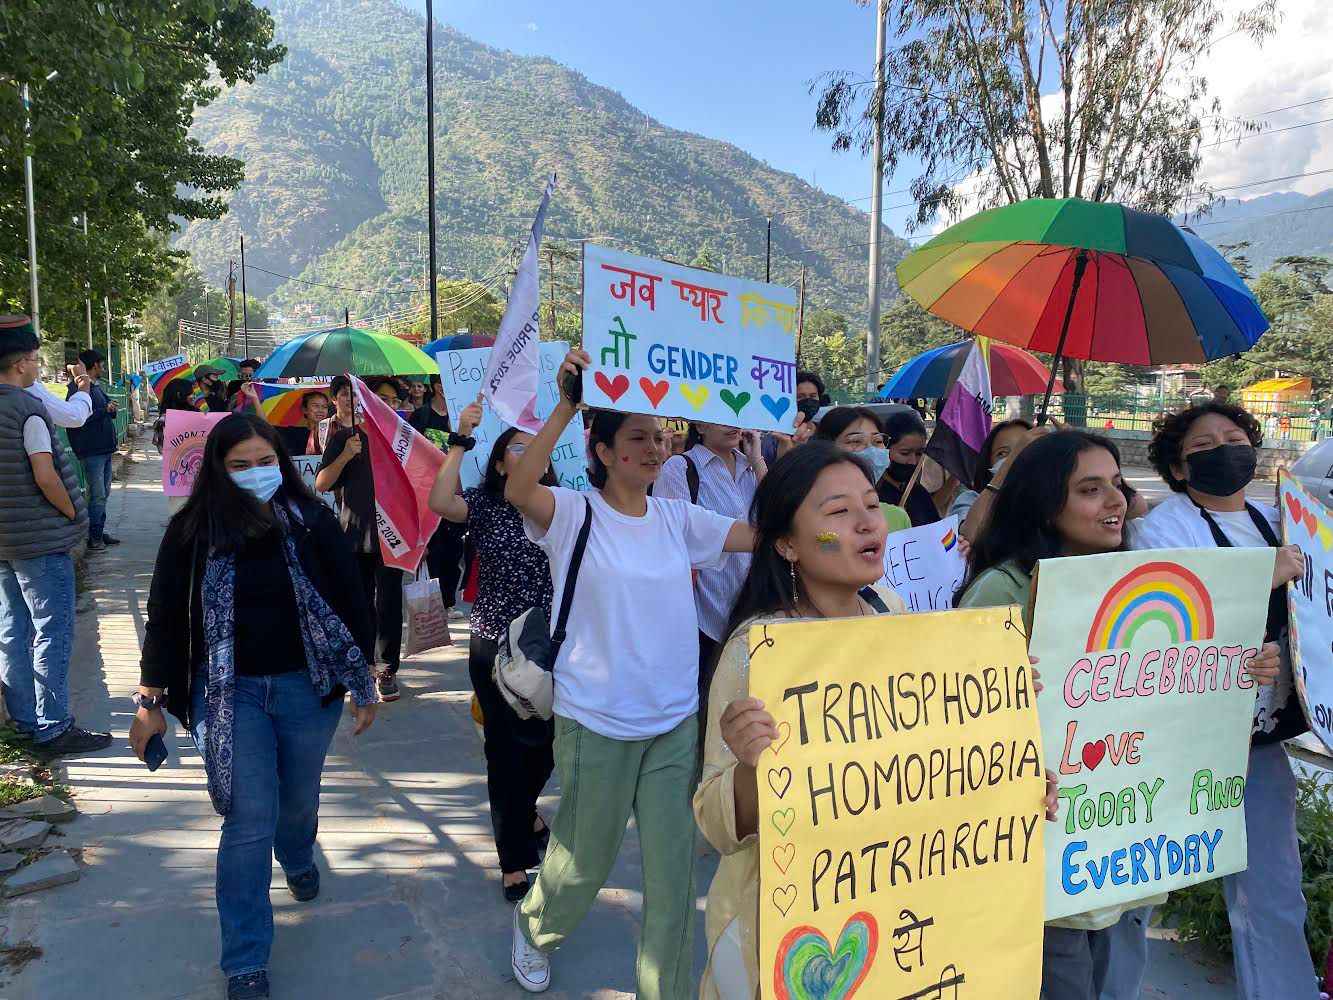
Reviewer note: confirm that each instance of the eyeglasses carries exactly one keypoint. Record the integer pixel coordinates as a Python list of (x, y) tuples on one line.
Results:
[(858, 441)]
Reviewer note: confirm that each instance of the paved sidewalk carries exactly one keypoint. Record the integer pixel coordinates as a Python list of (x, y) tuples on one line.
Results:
[(410, 905)]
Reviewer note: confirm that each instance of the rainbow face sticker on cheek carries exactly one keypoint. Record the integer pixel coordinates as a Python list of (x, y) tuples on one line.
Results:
[(828, 541)]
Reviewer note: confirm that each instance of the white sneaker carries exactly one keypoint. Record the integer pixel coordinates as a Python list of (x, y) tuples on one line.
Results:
[(532, 968)]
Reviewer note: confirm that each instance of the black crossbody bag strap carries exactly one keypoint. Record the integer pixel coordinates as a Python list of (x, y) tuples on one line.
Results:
[(571, 578), (1277, 600), (692, 478), (868, 595)]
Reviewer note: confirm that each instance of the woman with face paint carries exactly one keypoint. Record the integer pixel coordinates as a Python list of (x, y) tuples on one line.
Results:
[(1063, 496), (257, 629), (1207, 455), (626, 687), (905, 439), (857, 430), (819, 552)]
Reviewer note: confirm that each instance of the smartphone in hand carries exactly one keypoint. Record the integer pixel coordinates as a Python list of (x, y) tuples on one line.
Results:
[(573, 387), (155, 752)]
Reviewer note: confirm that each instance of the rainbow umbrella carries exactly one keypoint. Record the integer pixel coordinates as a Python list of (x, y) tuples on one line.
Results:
[(1087, 280), (1013, 372), (345, 349), (229, 367), (280, 405)]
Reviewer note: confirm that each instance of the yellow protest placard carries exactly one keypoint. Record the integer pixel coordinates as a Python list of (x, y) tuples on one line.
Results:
[(900, 811)]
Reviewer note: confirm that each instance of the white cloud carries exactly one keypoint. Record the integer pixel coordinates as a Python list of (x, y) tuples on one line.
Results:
[(530, 26), (1292, 67)]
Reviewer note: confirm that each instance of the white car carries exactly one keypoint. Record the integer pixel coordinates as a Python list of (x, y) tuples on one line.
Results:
[(1314, 470)]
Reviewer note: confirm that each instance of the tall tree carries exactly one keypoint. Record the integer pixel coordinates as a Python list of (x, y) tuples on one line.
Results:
[(1003, 100), (114, 86)]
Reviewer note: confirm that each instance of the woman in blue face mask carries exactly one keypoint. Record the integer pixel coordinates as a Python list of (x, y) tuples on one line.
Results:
[(257, 630), (857, 429)]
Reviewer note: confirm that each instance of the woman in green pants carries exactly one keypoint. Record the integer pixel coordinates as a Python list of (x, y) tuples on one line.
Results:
[(626, 689)]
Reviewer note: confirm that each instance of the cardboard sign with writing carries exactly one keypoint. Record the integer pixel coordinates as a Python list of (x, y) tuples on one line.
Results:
[(461, 374), (183, 437), (156, 368), (900, 811), (925, 565), (677, 341), (1306, 522), (1146, 717), (308, 467)]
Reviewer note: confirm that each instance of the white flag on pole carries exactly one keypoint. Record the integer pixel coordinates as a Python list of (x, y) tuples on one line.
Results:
[(513, 373)]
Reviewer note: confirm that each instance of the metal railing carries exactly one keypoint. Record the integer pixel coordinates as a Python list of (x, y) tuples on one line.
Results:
[(121, 422)]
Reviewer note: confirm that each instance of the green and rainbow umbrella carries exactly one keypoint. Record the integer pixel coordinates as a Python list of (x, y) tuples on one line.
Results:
[(345, 349), (280, 405), (1086, 280)]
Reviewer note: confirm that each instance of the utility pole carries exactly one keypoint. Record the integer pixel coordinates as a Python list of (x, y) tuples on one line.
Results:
[(231, 306), (768, 252), (876, 197), (32, 214), (245, 309), (87, 286), (800, 318), (430, 165)]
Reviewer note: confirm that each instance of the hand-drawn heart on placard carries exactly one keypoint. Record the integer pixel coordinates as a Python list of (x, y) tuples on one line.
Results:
[(806, 968), (784, 898), (736, 401), (1294, 505), (1093, 754), (613, 387), (1310, 521), (784, 734), (779, 779), (777, 407), (783, 820), (696, 394), (654, 390), (783, 856)]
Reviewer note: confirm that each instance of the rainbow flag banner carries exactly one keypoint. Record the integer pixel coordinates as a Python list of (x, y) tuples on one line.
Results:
[(281, 404), (160, 373), (1146, 717)]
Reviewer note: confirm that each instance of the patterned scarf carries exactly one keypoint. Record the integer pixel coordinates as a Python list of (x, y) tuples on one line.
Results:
[(332, 655)]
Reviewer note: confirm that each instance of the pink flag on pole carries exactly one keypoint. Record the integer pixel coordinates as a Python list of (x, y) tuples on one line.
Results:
[(403, 464), (512, 373)]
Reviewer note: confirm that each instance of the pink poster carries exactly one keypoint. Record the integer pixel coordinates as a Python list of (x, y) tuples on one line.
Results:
[(183, 449)]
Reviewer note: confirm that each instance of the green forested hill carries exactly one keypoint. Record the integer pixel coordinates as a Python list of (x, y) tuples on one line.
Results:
[(335, 189)]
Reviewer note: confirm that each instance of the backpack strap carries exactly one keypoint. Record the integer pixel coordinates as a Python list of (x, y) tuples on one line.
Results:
[(869, 595), (571, 578), (692, 478)]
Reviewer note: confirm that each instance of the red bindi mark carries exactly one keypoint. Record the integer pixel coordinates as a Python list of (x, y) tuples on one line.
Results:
[(624, 458)]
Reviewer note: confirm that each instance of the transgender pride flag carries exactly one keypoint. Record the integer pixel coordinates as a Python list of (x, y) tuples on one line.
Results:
[(403, 464), (965, 419)]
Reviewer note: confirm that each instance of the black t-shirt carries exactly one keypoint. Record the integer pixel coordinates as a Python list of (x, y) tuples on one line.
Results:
[(919, 506), (354, 488), (431, 424), (295, 438), (267, 629)]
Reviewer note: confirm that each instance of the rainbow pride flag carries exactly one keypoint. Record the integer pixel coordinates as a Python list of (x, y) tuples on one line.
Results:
[(280, 405), (160, 373)]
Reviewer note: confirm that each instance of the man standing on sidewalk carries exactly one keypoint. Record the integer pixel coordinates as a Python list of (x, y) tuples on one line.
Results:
[(94, 443), (41, 520)]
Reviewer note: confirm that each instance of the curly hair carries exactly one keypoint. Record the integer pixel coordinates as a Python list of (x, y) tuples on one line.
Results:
[(1169, 432)]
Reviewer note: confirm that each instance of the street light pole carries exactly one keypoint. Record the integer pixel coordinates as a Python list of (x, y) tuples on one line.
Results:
[(87, 285), (430, 164), (32, 214), (876, 197)]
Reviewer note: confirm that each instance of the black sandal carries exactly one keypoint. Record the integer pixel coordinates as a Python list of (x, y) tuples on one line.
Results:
[(515, 893)]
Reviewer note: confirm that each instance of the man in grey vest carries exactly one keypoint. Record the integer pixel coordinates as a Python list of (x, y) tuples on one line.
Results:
[(42, 518)]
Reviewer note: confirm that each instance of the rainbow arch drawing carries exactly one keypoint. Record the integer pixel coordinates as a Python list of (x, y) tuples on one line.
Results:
[(1163, 593)]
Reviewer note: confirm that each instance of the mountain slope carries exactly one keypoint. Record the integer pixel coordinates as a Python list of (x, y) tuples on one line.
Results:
[(335, 190), (1275, 225)]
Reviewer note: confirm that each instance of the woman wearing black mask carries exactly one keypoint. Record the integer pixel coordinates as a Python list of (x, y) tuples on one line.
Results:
[(905, 437), (1206, 454)]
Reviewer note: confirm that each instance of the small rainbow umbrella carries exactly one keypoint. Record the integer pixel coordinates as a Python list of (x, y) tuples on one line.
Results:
[(158, 383), (345, 349), (1087, 280), (281, 404), (459, 342), (1013, 372)]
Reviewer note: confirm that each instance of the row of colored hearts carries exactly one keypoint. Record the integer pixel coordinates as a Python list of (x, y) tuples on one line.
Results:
[(695, 395), (1314, 527)]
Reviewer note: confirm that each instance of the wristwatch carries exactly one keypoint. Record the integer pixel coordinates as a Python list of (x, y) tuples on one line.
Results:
[(460, 441), (148, 701)]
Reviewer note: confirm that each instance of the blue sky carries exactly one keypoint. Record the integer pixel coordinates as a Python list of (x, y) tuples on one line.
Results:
[(736, 70)]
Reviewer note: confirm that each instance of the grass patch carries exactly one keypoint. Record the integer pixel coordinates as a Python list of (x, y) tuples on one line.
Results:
[(13, 791)]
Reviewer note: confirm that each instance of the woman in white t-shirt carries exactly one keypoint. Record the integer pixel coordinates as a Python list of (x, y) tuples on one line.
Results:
[(626, 688), (1206, 454)]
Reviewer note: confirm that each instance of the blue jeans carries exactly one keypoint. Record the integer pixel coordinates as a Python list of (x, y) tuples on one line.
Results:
[(280, 736), (36, 636), (1264, 903), (97, 469), (1096, 965)]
